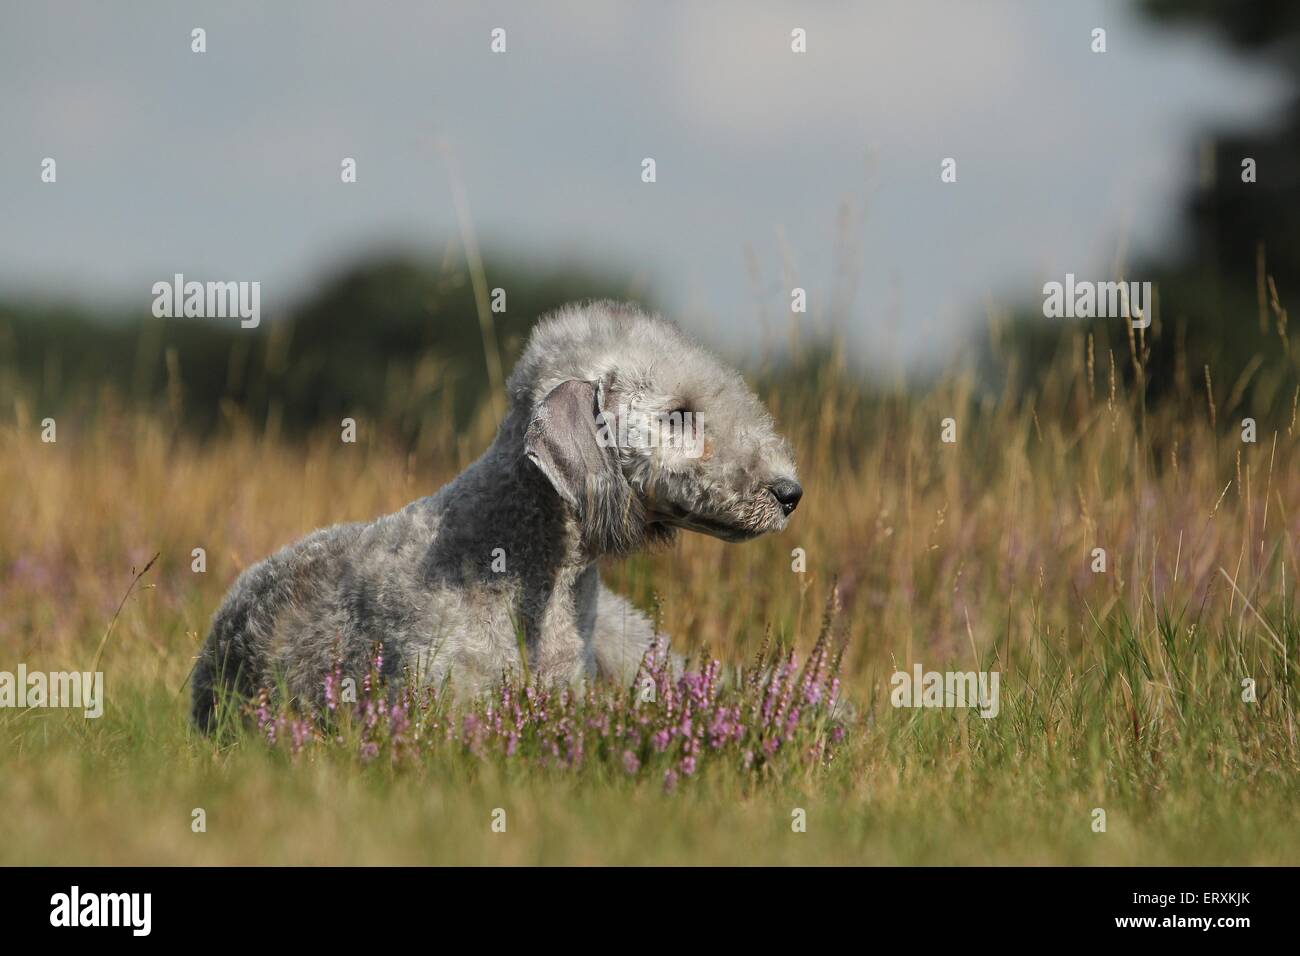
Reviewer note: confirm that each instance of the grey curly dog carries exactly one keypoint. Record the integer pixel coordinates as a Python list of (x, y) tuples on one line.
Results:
[(621, 429)]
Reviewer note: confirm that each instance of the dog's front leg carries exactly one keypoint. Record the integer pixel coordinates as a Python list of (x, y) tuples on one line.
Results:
[(561, 659), (621, 636), (561, 651)]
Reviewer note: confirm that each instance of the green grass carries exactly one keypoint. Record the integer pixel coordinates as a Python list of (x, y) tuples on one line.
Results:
[(1184, 769)]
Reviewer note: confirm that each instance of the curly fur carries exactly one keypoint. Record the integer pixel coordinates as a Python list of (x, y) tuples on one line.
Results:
[(421, 582)]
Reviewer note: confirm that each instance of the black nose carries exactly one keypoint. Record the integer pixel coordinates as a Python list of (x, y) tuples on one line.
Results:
[(788, 492)]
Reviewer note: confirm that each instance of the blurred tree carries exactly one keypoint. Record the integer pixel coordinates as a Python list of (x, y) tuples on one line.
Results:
[(394, 339), (1232, 218), (1227, 292), (1217, 306)]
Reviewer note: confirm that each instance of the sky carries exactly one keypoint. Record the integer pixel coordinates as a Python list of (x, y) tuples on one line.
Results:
[(774, 169)]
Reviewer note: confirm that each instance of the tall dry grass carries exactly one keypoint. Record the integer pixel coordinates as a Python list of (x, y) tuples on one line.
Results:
[(975, 554), (986, 540)]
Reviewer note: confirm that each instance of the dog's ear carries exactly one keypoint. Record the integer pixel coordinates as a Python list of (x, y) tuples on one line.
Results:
[(569, 439), (563, 439)]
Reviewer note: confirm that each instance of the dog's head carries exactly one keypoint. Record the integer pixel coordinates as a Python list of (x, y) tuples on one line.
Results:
[(642, 431)]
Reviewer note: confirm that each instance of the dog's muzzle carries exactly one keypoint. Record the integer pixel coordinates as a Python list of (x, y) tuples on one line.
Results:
[(787, 492)]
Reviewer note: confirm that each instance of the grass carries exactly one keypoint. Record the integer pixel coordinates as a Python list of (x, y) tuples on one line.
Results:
[(1120, 690)]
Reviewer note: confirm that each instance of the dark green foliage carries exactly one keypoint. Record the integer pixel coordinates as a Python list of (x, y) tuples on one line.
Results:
[(393, 338)]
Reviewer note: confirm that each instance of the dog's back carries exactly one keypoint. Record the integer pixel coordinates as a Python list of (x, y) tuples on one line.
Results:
[(419, 584), (236, 656)]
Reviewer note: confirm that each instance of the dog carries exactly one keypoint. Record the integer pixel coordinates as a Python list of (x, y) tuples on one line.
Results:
[(621, 430)]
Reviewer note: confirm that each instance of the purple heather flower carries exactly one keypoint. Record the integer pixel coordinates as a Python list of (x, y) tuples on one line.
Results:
[(720, 728), (263, 711), (470, 726), (791, 721), (398, 722), (760, 715), (298, 730)]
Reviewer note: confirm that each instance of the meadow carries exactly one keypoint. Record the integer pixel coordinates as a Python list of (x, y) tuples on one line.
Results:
[(1161, 690)]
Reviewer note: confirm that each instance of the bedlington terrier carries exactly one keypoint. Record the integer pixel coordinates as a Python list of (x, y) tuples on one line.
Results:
[(621, 429)]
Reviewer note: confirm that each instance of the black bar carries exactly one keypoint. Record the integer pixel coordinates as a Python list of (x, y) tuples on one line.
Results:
[(330, 906)]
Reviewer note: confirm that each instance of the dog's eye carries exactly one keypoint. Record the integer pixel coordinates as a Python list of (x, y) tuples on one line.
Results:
[(683, 424)]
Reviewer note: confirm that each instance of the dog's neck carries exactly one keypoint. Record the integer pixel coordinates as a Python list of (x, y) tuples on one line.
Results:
[(545, 553), (502, 526), (503, 501)]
